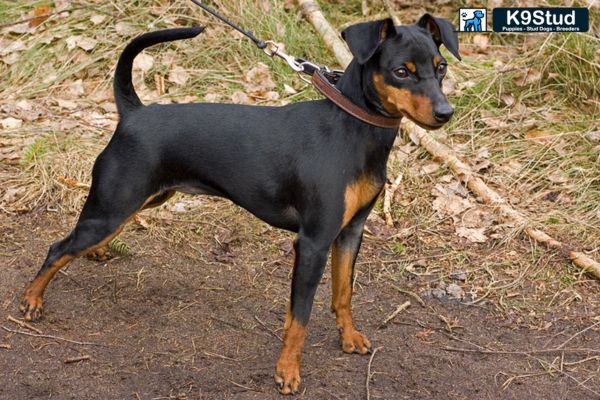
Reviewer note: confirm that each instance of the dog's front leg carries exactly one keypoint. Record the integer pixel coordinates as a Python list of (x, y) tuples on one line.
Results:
[(311, 256)]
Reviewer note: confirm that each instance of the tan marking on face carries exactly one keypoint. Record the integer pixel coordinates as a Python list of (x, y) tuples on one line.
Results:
[(358, 194), (411, 66), (437, 60), (398, 101)]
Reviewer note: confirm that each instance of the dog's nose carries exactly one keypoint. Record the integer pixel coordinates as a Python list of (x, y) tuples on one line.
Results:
[(443, 113)]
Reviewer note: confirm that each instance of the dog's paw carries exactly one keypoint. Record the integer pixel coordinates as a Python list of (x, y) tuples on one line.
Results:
[(287, 376), (354, 341), (100, 255), (31, 306)]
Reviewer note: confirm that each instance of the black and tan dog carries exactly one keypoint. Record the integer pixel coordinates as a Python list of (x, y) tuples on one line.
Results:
[(308, 167)]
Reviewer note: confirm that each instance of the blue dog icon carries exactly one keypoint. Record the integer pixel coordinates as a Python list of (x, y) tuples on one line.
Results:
[(474, 24)]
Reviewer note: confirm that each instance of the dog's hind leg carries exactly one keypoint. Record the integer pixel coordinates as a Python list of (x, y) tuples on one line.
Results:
[(115, 196)]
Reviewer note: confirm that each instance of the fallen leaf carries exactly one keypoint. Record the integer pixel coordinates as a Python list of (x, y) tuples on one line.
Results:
[(239, 97), (212, 97), (475, 235), (508, 99), (11, 123), (481, 41), (448, 203), (527, 77), (178, 75), (558, 177), (258, 81), (11, 47), (41, 14), (124, 29), (539, 136), (66, 104), (288, 89), (594, 136), (97, 19), (83, 42), (429, 168), (144, 62)]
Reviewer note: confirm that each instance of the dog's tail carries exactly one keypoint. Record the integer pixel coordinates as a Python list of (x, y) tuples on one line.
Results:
[(125, 95)]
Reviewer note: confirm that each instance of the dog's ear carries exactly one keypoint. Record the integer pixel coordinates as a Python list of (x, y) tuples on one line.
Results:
[(442, 32), (365, 38)]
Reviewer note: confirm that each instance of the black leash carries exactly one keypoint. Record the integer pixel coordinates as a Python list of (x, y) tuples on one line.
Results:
[(272, 49), (261, 44)]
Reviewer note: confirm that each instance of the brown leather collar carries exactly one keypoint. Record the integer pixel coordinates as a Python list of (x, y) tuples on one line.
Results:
[(323, 85)]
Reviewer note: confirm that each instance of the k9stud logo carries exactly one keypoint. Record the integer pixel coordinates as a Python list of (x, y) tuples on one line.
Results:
[(554, 19), (472, 20)]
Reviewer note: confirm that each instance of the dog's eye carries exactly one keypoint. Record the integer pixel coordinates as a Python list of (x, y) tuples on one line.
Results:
[(441, 69), (401, 73)]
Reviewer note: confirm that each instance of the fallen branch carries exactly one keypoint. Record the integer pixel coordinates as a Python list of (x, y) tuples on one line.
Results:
[(312, 12), (73, 360), (23, 324), (393, 315), (369, 372), (390, 191), (445, 154), (5, 346), (52, 337)]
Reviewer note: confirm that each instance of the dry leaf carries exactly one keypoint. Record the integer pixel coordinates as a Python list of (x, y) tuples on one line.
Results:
[(539, 136), (259, 81), (558, 177), (475, 235), (239, 97), (288, 89), (429, 168), (41, 14), (527, 77), (11, 47), (178, 75), (448, 203), (11, 123), (124, 29), (144, 62), (66, 104), (97, 19), (508, 99), (481, 41), (212, 97)]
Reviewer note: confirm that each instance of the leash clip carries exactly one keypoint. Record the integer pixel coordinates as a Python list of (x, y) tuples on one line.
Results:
[(273, 49)]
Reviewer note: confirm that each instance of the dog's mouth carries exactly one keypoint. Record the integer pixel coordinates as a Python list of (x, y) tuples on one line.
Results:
[(429, 127)]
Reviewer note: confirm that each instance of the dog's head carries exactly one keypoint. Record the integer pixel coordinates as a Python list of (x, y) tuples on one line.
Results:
[(403, 67), (478, 14)]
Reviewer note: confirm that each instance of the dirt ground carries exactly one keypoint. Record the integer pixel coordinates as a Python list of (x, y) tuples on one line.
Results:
[(201, 320)]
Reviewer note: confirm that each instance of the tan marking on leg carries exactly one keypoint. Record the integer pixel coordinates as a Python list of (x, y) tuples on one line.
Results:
[(287, 371), (398, 101), (411, 66), (31, 303), (341, 302), (436, 60), (358, 194)]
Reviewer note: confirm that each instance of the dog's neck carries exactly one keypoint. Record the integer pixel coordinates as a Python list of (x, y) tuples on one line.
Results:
[(356, 85)]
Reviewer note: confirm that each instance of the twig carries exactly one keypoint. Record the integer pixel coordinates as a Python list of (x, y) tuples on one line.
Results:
[(23, 324), (5, 346), (369, 371), (521, 352), (390, 191), (393, 315), (53, 337), (577, 334), (411, 294), (267, 328), (73, 360)]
